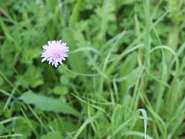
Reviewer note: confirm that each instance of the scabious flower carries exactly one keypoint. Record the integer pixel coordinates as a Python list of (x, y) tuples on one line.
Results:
[(55, 52)]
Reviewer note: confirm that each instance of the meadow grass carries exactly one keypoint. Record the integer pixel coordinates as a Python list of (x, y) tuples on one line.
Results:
[(123, 79)]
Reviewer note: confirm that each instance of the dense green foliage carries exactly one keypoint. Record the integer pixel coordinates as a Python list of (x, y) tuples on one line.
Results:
[(124, 77)]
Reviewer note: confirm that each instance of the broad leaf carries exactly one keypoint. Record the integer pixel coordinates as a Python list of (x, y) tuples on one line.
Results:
[(47, 103)]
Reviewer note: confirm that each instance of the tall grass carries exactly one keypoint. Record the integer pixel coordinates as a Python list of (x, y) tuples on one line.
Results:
[(123, 79)]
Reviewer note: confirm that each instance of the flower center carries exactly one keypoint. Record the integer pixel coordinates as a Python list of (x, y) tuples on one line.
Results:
[(56, 55)]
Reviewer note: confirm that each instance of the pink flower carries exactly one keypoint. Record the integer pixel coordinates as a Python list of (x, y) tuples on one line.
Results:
[(55, 52)]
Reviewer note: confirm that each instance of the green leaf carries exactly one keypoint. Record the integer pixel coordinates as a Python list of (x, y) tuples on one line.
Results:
[(120, 3), (22, 127), (52, 135), (63, 124), (126, 69), (47, 104), (32, 77), (76, 60)]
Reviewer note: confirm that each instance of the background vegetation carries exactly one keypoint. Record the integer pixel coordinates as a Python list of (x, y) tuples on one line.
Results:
[(124, 78)]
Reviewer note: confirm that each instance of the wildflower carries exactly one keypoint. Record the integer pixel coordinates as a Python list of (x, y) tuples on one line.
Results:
[(55, 52)]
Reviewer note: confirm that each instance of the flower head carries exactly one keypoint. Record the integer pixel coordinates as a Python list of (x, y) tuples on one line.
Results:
[(55, 52)]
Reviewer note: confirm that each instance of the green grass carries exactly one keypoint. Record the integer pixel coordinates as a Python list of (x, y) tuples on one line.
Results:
[(124, 77)]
